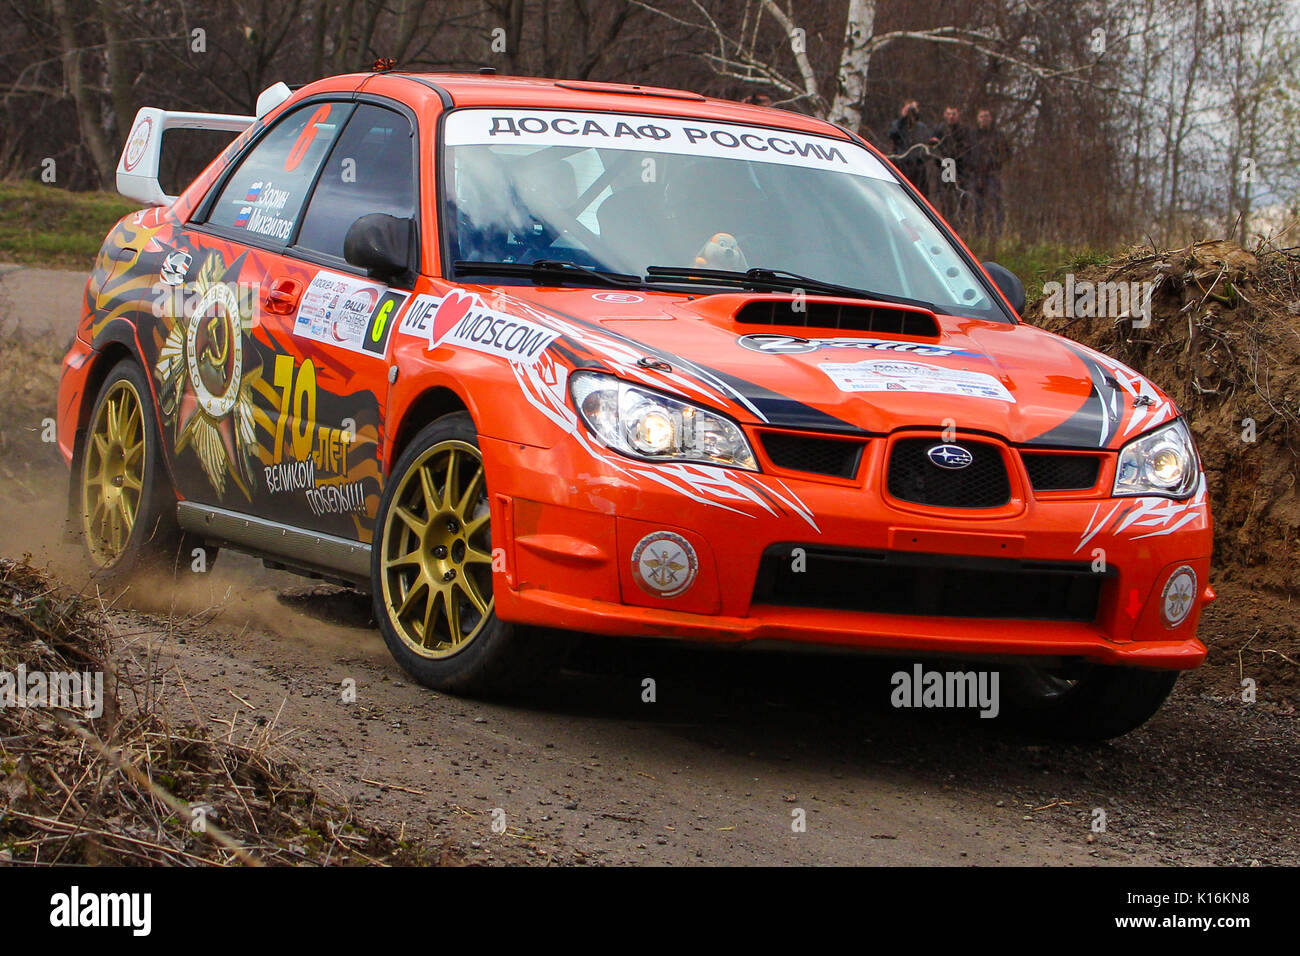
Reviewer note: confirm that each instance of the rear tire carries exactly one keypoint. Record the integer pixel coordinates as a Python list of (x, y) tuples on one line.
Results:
[(1092, 704), (431, 572), (127, 506)]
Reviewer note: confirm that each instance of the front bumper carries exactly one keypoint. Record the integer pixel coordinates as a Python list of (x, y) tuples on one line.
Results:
[(883, 633), (570, 524)]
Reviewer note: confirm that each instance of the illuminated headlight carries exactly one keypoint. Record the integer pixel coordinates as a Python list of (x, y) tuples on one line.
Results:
[(1160, 463), (647, 424)]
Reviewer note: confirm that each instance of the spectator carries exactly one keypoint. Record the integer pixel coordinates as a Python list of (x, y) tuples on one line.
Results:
[(910, 138), (758, 99), (951, 142), (988, 154)]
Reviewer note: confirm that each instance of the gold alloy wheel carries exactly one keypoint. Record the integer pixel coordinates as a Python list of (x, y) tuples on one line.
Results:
[(112, 477), (436, 551)]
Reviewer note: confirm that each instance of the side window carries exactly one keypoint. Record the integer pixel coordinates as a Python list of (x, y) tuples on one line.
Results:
[(370, 169), (266, 193)]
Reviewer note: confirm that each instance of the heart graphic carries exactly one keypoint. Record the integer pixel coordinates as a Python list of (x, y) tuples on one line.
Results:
[(451, 310)]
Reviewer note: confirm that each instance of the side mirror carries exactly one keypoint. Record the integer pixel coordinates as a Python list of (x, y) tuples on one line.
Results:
[(1006, 280), (380, 244)]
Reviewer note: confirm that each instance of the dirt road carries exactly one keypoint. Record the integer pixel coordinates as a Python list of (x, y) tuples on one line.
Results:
[(736, 749), (41, 301)]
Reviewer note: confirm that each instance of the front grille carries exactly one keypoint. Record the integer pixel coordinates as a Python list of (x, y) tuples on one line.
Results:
[(828, 315), (929, 585), (1061, 472), (822, 456), (914, 477)]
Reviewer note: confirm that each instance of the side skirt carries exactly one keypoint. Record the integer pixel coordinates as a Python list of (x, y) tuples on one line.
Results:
[(322, 555)]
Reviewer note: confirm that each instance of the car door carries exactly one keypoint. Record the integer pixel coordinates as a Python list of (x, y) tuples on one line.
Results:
[(215, 369), (331, 369)]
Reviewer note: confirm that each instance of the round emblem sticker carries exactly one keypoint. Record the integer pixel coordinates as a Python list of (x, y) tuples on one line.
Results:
[(1179, 595), (664, 564), (622, 298), (135, 146)]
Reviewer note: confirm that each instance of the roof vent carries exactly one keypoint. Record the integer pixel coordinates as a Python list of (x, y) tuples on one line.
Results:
[(625, 89)]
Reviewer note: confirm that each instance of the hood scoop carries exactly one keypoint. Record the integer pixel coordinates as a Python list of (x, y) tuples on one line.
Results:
[(837, 317)]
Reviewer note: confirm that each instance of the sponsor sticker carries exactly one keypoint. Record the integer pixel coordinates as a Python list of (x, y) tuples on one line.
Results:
[(351, 313), (461, 319), (618, 298), (890, 376), (419, 314), (664, 564), (774, 344)]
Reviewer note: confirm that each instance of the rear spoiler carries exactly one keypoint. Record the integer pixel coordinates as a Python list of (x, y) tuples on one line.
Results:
[(137, 169)]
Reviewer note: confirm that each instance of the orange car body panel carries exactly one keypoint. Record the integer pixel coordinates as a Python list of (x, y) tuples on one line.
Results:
[(569, 514)]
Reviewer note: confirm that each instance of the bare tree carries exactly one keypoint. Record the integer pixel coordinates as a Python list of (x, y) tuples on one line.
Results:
[(746, 54), (92, 135)]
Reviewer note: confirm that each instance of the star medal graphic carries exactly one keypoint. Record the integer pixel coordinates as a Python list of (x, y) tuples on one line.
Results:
[(204, 386)]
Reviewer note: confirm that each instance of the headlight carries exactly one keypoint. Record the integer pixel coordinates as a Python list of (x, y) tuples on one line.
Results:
[(1160, 463), (646, 424)]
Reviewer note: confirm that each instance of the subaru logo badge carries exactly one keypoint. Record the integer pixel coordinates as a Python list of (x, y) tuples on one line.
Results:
[(950, 456)]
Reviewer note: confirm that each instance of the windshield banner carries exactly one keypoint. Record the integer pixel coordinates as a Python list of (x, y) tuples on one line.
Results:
[(659, 134)]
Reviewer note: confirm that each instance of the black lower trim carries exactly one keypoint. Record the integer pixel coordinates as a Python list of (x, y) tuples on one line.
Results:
[(927, 585)]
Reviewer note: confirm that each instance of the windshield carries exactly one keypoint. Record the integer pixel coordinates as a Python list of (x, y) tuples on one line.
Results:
[(623, 193)]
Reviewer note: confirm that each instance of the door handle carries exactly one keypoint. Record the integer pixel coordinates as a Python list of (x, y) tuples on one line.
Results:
[(281, 297)]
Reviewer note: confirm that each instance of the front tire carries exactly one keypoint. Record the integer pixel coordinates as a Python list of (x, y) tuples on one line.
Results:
[(1088, 705), (431, 571)]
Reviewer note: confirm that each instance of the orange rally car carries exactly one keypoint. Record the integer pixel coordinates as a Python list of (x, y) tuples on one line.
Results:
[(527, 358)]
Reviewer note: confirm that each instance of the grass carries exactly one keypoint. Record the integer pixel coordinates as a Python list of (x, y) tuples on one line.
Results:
[(1037, 263), (46, 225)]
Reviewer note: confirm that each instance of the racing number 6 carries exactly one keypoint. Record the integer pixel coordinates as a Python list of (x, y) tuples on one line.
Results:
[(381, 321)]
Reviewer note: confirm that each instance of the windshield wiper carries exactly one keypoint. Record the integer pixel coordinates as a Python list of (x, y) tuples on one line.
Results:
[(546, 269), (775, 280)]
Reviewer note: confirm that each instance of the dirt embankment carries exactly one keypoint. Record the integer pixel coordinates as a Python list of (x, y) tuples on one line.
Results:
[(1223, 340)]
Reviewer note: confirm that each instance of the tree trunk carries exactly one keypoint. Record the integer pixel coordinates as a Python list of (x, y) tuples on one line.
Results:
[(87, 109), (855, 59), (1184, 116), (119, 73)]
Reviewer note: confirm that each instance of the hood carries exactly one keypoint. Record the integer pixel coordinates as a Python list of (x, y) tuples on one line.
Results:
[(885, 367)]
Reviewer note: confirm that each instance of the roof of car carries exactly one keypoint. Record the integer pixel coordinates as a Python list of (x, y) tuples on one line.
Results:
[(476, 89)]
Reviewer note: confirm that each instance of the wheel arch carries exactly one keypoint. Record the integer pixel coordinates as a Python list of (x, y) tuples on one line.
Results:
[(115, 344), (427, 406)]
